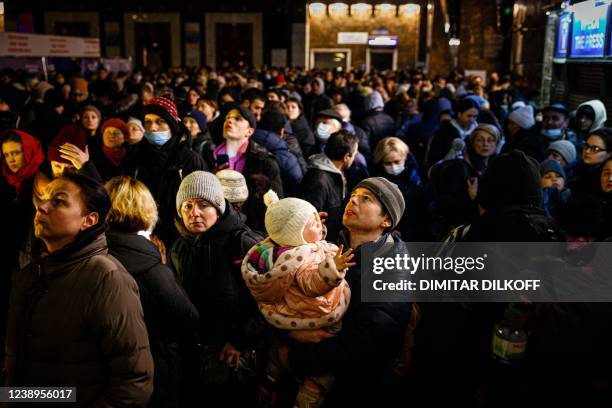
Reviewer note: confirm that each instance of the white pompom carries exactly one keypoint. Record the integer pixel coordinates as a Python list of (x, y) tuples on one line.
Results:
[(270, 197)]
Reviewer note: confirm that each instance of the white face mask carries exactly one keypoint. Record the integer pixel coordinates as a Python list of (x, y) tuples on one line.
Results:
[(394, 169)]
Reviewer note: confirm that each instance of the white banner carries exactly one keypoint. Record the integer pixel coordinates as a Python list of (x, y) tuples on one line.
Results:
[(39, 45), (353, 38)]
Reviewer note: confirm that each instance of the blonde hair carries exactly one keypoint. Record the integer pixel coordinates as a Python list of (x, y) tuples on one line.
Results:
[(388, 145), (133, 206)]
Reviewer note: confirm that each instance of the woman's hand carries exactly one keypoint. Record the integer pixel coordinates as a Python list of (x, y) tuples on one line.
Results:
[(472, 186), (74, 155), (309, 336), (159, 244), (230, 355)]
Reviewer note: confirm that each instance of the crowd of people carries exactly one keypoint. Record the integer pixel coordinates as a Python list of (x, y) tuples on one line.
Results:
[(192, 236)]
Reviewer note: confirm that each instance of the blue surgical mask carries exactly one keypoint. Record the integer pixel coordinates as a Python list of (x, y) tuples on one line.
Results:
[(157, 138), (323, 132), (551, 134)]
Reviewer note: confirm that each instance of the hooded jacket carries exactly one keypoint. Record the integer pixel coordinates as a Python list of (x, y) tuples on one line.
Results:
[(324, 186), (168, 313), (287, 162), (600, 114), (304, 135), (300, 288), (377, 124), (93, 337)]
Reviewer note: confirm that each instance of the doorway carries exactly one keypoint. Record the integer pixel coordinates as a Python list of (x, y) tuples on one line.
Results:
[(234, 44), (381, 59), (153, 45)]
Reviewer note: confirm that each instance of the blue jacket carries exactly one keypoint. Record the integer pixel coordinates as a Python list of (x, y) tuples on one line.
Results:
[(291, 172)]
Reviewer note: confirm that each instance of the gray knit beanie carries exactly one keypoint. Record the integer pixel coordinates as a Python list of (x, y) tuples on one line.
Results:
[(204, 185), (565, 148), (388, 194)]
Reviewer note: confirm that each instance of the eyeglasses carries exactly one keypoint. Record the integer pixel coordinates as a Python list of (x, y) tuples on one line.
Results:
[(594, 149)]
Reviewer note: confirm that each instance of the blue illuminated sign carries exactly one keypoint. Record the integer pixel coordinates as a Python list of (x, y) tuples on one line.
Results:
[(589, 29), (563, 35)]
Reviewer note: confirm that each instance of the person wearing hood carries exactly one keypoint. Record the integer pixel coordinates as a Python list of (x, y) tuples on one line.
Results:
[(93, 338), (299, 125), (554, 191), (206, 259), (21, 157), (270, 134), (168, 313), (164, 159), (417, 136), (239, 152), (394, 161), (110, 154), (590, 116), (324, 185), (457, 128), (90, 119), (316, 101), (376, 123), (201, 140)]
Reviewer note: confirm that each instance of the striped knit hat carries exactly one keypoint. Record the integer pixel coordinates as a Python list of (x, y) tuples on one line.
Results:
[(164, 108)]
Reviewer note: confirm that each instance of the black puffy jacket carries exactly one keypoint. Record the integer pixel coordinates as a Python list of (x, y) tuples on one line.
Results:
[(168, 313), (208, 267)]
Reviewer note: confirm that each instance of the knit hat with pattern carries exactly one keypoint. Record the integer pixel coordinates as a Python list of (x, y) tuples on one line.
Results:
[(166, 109), (204, 185), (234, 185), (285, 221)]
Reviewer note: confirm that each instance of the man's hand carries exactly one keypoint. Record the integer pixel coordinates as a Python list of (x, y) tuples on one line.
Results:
[(74, 155), (220, 167), (230, 355), (342, 260)]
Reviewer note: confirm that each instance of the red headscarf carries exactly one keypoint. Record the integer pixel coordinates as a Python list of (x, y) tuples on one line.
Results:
[(32, 155), (115, 155)]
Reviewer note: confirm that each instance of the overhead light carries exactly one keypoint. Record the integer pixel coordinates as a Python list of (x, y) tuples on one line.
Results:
[(1, 7), (338, 9), (454, 42), (316, 9), (446, 28), (383, 41), (385, 9), (429, 7), (410, 9), (361, 9)]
